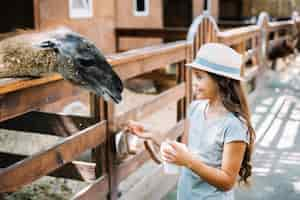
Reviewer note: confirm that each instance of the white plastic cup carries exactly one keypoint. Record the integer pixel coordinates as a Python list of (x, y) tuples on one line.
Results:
[(169, 168)]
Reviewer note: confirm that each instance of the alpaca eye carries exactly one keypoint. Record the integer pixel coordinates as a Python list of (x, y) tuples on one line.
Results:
[(86, 62)]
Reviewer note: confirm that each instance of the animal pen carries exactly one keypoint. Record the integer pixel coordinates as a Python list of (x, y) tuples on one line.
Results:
[(22, 99)]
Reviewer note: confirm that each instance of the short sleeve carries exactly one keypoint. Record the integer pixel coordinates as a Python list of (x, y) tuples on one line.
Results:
[(195, 105), (236, 130), (191, 109)]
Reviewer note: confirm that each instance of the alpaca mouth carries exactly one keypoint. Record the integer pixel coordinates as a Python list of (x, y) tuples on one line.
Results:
[(108, 95), (102, 86)]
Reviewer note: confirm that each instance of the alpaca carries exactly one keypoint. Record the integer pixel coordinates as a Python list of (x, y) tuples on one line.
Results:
[(60, 51)]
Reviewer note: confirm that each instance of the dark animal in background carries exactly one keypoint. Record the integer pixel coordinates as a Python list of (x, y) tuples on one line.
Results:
[(280, 48), (61, 51)]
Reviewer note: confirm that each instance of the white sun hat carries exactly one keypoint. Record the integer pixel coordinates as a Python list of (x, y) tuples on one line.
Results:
[(219, 59)]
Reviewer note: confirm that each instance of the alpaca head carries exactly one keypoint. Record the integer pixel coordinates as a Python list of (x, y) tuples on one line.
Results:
[(83, 64)]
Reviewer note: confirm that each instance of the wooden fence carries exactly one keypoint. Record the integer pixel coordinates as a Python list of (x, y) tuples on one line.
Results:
[(21, 99)]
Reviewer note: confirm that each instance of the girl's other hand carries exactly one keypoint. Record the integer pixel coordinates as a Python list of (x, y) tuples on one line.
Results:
[(176, 153)]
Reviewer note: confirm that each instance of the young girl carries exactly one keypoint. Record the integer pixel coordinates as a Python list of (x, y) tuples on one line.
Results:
[(220, 135)]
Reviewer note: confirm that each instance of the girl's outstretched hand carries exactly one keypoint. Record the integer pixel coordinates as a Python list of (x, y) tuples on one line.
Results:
[(178, 153), (134, 127), (138, 129)]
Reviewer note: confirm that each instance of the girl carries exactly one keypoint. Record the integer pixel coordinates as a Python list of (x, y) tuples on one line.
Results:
[(220, 135)]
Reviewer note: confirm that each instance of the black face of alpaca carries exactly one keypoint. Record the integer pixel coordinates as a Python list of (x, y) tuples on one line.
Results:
[(91, 70)]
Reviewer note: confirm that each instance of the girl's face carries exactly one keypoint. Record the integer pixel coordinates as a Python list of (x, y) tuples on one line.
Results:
[(204, 87)]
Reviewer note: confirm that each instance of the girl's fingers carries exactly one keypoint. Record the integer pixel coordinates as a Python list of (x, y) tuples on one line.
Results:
[(169, 151), (172, 144), (167, 158)]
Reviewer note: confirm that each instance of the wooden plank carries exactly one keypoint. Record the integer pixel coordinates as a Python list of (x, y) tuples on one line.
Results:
[(13, 104), (78, 170), (249, 54), (36, 13), (98, 112), (47, 161), (100, 187), (254, 45), (134, 64), (201, 35), (14, 84), (97, 190), (251, 72), (238, 35), (134, 162), (49, 123), (146, 52), (168, 33), (275, 26), (205, 34), (111, 152), (150, 106), (180, 77)]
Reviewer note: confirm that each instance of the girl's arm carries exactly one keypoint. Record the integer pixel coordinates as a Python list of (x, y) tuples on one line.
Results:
[(223, 178)]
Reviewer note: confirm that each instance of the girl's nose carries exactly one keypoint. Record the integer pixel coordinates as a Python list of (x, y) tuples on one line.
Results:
[(195, 86)]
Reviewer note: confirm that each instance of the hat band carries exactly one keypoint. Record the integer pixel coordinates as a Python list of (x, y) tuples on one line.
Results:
[(218, 67)]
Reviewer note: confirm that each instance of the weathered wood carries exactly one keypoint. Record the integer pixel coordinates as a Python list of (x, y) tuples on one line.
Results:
[(150, 106), (180, 77), (251, 72), (97, 111), (168, 33), (36, 10), (133, 63), (274, 26), (238, 35), (8, 85), (249, 54), (13, 104), (97, 190), (77, 170), (48, 123), (111, 152), (146, 52), (47, 161), (254, 46)]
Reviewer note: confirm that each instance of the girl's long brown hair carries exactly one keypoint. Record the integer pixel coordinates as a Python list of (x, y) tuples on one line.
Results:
[(234, 100)]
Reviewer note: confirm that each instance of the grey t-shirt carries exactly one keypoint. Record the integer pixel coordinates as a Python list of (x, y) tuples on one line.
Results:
[(207, 139)]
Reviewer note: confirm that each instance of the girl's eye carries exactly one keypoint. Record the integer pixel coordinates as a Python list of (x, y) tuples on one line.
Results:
[(198, 76)]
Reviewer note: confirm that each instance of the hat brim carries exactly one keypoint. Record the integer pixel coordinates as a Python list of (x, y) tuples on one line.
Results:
[(204, 68)]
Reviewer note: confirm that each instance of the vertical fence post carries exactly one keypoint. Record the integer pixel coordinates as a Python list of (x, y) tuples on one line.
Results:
[(98, 153), (263, 23), (180, 77), (105, 154), (111, 152), (240, 48)]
